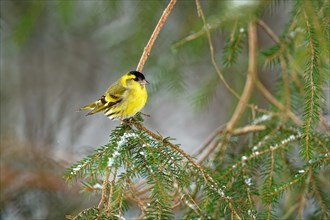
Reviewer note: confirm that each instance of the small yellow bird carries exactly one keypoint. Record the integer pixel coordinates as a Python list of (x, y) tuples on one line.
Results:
[(123, 99)]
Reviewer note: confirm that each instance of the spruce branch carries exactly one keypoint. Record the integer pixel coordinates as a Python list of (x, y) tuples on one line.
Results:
[(209, 181), (258, 154), (154, 35), (175, 147), (312, 84)]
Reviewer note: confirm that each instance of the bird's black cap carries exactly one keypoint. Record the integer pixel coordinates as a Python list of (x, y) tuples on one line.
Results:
[(138, 75)]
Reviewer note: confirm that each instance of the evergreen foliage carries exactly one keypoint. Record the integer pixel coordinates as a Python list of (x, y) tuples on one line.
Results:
[(270, 168), (135, 155), (234, 45), (138, 166)]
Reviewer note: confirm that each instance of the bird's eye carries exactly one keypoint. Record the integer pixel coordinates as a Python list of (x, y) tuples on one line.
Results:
[(136, 79)]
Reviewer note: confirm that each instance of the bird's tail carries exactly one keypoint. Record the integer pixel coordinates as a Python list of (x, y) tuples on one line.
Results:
[(95, 106), (90, 106)]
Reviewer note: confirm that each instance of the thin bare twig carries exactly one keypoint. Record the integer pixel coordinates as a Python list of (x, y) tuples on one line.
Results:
[(248, 129), (154, 35), (214, 63), (209, 140), (268, 31), (252, 73)]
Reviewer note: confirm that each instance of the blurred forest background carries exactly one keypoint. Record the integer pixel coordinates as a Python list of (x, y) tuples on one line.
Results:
[(57, 56)]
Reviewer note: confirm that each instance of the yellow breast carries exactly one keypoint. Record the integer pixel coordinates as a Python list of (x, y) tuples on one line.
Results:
[(133, 101)]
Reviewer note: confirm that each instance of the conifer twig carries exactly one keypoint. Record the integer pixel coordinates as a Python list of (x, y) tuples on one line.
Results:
[(154, 35)]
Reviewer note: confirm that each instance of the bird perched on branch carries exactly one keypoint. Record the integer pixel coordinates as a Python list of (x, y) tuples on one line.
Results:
[(123, 99)]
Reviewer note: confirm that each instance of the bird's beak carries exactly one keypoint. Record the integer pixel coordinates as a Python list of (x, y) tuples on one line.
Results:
[(144, 82)]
